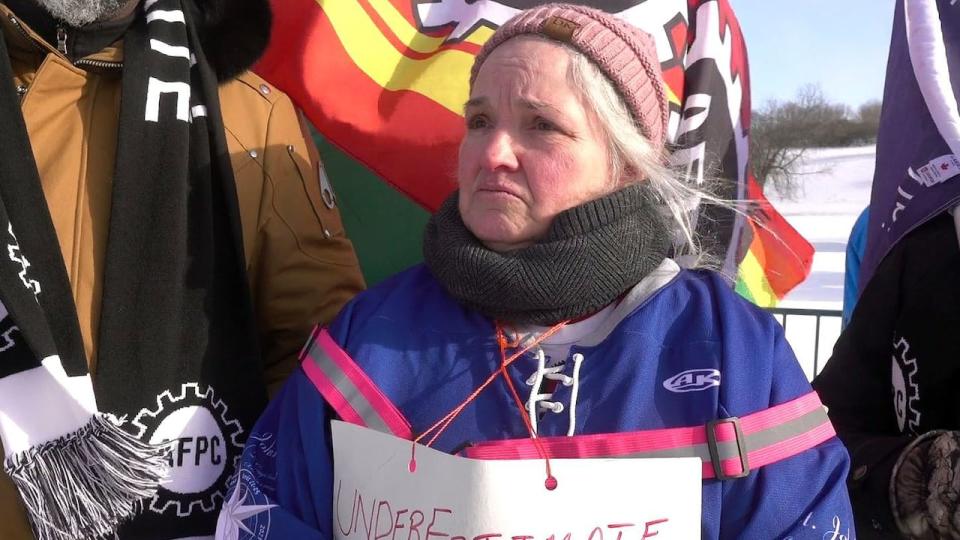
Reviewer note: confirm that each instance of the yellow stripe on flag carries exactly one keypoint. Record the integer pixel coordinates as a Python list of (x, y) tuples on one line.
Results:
[(672, 96), (480, 35), (412, 37), (755, 280), (401, 28), (441, 78)]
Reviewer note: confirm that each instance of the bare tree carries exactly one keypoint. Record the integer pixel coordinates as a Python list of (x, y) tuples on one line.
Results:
[(869, 117), (781, 133)]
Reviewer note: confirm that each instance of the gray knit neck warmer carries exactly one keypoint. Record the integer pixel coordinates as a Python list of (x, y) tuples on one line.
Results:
[(589, 257)]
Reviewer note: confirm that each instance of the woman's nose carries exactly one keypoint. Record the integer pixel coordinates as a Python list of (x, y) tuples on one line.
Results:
[(500, 151)]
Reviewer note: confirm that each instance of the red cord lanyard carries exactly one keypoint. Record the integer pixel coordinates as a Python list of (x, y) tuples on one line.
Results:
[(441, 425)]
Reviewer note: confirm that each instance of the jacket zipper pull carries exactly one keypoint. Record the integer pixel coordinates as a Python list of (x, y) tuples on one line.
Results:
[(62, 40)]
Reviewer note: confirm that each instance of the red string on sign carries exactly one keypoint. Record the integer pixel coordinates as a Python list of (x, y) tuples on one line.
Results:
[(441, 425), (550, 482)]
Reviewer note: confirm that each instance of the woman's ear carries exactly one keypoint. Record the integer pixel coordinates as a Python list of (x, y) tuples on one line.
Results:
[(629, 175)]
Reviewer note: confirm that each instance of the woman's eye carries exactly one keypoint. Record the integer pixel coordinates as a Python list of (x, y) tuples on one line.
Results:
[(543, 125), (478, 121)]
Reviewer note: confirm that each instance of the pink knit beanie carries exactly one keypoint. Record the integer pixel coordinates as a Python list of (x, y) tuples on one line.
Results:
[(624, 53)]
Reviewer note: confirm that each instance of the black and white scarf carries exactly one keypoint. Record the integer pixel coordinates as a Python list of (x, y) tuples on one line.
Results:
[(179, 380)]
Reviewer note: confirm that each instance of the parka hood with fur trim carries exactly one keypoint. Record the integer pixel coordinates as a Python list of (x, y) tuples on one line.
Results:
[(233, 33)]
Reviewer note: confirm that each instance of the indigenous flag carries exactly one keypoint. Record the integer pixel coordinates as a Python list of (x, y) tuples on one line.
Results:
[(386, 80), (918, 147)]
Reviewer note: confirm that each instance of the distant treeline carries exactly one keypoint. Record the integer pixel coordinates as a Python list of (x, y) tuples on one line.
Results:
[(780, 132)]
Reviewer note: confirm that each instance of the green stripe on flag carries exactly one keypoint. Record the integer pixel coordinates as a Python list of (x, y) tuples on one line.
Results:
[(752, 282), (386, 228), (744, 290)]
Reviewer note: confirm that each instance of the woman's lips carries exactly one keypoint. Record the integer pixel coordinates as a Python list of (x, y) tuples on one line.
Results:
[(498, 191)]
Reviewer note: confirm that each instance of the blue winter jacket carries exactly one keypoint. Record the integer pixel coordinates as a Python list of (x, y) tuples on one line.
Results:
[(426, 353)]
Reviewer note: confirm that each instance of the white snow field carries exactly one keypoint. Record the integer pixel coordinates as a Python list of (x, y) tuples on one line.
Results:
[(834, 189)]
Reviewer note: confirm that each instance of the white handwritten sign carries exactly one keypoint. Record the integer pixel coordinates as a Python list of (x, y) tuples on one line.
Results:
[(377, 497)]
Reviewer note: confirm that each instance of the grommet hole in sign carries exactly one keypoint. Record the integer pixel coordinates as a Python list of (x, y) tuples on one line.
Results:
[(326, 190)]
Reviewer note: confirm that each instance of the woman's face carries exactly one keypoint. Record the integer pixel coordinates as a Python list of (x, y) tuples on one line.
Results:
[(531, 150)]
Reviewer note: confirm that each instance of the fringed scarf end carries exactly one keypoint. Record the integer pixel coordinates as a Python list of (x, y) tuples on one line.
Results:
[(87, 483)]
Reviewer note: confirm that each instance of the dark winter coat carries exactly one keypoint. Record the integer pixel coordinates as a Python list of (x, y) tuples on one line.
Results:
[(895, 371)]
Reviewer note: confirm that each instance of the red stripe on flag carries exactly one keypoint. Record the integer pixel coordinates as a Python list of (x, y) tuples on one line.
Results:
[(788, 257), (393, 133)]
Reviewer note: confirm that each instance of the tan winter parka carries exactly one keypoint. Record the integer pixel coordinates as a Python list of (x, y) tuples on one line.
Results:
[(301, 266)]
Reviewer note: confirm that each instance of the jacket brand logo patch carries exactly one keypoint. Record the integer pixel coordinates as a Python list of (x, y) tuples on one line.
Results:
[(693, 380)]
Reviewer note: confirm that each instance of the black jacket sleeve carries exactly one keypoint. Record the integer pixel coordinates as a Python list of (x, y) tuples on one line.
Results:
[(855, 387)]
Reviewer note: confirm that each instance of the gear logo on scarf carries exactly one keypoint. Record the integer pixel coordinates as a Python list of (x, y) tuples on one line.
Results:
[(7, 328), (7, 325), (906, 391), (13, 250), (204, 446)]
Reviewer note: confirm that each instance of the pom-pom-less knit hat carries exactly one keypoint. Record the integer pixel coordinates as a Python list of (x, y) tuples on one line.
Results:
[(624, 53)]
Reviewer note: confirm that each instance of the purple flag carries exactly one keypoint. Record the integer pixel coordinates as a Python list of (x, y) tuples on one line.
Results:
[(918, 147)]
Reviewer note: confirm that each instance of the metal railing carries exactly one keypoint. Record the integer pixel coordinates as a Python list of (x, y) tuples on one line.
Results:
[(800, 343)]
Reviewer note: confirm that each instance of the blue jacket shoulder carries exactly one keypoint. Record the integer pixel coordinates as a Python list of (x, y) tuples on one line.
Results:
[(706, 296), (759, 367), (412, 300)]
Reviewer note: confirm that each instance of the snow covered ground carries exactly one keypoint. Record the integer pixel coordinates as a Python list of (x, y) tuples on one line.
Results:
[(834, 189)]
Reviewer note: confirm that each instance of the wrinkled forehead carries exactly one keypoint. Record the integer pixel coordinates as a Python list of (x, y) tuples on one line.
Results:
[(524, 60)]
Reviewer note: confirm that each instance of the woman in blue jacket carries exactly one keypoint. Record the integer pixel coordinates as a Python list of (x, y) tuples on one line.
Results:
[(553, 257)]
